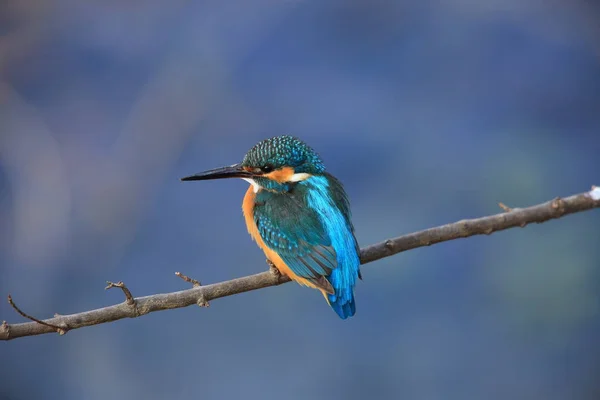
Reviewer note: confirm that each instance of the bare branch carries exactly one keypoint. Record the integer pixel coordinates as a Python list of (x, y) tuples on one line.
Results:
[(202, 294), (484, 226)]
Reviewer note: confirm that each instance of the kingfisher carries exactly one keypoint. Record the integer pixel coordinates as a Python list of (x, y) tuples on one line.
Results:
[(299, 215)]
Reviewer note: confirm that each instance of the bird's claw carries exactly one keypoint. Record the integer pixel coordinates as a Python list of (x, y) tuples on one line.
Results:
[(273, 269)]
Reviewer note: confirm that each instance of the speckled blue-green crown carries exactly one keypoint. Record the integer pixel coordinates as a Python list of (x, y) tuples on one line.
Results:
[(282, 151)]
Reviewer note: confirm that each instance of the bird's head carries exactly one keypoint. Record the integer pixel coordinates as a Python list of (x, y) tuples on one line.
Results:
[(273, 164)]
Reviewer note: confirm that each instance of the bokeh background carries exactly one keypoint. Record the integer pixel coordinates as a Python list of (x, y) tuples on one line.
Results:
[(428, 111)]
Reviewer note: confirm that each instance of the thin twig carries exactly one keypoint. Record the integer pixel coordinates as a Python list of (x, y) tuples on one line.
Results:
[(61, 331), (186, 278), (128, 297), (202, 302), (504, 207), (480, 226)]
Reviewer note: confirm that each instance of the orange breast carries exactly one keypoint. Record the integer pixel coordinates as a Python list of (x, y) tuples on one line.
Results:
[(248, 210)]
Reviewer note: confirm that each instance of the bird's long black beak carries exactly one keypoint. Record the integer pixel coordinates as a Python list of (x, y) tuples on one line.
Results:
[(232, 171)]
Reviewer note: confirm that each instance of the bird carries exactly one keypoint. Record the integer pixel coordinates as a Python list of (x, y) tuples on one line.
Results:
[(299, 215)]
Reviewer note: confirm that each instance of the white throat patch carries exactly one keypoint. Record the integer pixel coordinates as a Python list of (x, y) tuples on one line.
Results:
[(255, 185)]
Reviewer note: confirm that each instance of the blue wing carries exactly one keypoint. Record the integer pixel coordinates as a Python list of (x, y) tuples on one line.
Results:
[(310, 229), (296, 234)]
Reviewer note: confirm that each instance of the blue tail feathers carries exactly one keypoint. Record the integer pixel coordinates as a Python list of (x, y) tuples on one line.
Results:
[(345, 308), (342, 301)]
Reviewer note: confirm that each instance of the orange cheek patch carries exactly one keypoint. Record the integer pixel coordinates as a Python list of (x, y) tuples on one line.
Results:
[(281, 175)]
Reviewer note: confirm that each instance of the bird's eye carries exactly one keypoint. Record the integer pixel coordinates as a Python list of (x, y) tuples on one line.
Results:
[(267, 168)]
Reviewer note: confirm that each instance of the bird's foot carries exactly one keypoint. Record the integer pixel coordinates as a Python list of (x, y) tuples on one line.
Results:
[(273, 269)]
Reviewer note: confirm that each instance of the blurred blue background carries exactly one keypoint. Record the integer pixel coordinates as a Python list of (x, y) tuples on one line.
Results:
[(428, 111)]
